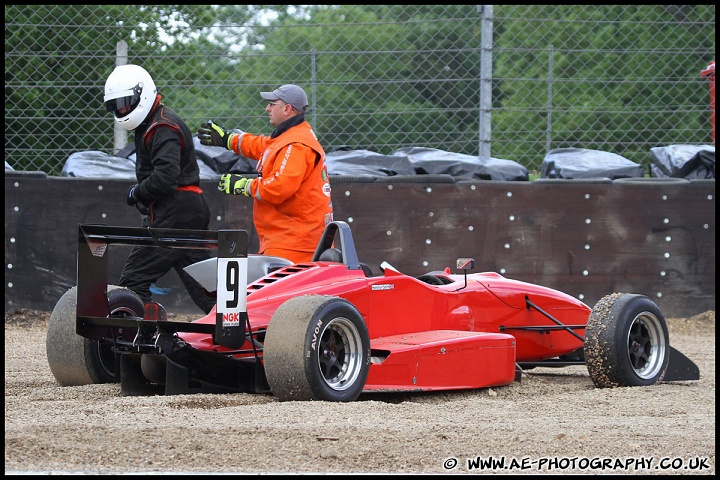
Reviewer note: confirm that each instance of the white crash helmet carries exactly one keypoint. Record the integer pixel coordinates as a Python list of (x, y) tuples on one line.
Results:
[(130, 95)]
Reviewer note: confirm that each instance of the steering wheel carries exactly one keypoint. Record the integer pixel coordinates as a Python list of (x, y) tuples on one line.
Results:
[(430, 279)]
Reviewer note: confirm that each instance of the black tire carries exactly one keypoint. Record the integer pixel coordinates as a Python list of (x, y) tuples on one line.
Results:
[(317, 347), (424, 178), (626, 342), (703, 181), (25, 174), (572, 181), (338, 179), (76, 360), (651, 180)]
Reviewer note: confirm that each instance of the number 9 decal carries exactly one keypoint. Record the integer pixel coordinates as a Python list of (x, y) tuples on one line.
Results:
[(232, 282)]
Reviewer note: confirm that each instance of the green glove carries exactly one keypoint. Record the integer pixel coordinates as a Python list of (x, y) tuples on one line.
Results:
[(233, 184), (214, 135)]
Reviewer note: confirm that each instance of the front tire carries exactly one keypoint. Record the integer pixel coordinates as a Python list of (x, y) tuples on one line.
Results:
[(317, 347), (75, 360), (626, 342)]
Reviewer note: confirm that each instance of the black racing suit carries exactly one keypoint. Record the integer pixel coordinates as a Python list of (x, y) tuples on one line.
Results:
[(169, 185)]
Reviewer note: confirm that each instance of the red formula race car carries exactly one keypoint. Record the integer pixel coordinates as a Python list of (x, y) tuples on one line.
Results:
[(329, 329)]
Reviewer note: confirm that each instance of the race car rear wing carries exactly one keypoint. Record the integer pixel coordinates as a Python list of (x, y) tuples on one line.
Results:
[(231, 248)]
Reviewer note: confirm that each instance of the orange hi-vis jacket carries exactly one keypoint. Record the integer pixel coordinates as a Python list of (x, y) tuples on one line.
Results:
[(291, 196)]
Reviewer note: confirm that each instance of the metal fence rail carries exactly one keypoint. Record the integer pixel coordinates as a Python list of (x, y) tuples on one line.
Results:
[(507, 81)]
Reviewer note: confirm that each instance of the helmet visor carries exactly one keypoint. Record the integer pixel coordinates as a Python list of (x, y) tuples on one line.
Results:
[(122, 106)]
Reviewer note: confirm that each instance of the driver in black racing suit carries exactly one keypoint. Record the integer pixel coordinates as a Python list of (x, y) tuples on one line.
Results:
[(168, 191)]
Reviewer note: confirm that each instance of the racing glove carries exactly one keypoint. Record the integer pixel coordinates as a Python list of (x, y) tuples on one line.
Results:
[(142, 208), (233, 184), (133, 201), (214, 135)]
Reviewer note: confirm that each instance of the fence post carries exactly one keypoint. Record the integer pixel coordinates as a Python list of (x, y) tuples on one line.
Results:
[(121, 135), (548, 133), (313, 92), (709, 73), (485, 113)]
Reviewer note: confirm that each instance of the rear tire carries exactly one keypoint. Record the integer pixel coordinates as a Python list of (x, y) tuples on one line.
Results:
[(76, 360), (317, 347), (626, 342)]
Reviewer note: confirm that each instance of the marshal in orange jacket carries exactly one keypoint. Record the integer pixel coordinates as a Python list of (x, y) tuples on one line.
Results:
[(291, 196)]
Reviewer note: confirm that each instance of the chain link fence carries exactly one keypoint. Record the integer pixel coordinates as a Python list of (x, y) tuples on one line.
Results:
[(507, 81)]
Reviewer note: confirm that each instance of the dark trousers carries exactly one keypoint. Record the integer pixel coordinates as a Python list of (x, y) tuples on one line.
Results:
[(145, 265)]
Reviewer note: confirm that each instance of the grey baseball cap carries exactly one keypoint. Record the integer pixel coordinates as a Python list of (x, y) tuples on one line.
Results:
[(290, 94)]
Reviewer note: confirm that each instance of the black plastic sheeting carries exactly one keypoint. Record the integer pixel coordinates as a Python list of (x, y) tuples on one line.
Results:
[(214, 161), (680, 161), (94, 163), (574, 163), (683, 161), (345, 161), (432, 161)]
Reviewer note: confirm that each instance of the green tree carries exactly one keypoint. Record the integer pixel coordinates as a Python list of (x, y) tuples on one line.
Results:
[(369, 97), (601, 62), (61, 56)]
